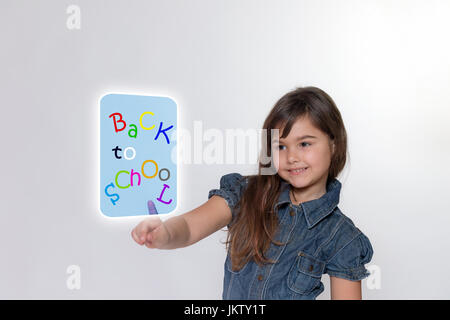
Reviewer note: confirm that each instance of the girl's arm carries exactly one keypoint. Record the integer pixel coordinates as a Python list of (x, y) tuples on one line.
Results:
[(186, 229), (342, 289)]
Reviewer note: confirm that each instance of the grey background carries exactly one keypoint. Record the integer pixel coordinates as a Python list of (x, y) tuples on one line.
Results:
[(385, 63)]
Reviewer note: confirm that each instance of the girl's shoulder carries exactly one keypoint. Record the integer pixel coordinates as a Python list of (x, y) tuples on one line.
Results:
[(231, 187), (343, 226), (233, 178), (347, 251), (346, 235)]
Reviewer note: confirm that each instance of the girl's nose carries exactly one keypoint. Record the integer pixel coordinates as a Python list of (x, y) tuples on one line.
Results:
[(293, 157)]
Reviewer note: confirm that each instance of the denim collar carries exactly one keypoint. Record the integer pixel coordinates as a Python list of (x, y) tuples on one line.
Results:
[(317, 209)]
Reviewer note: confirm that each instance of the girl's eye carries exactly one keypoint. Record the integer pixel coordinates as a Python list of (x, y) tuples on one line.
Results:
[(304, 143)]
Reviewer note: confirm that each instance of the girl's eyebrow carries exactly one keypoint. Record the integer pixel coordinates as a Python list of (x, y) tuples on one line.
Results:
[(300, 138)]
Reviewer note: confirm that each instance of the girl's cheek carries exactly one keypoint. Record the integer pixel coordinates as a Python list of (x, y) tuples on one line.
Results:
[(319, 159)]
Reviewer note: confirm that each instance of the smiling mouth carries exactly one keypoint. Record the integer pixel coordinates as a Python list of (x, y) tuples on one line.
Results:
[(297, 171)]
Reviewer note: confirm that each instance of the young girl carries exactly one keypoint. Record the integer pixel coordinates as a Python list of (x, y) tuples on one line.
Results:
[(284, 229)]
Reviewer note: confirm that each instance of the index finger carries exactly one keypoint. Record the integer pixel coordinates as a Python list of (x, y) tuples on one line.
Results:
[(136, 237)]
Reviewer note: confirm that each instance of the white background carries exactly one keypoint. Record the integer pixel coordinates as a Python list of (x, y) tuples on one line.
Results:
[(385, 63)]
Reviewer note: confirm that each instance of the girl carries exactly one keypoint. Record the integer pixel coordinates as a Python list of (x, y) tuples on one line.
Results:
[(284, 229)]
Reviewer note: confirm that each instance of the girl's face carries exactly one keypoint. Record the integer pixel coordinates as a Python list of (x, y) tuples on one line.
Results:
[(303, 158)]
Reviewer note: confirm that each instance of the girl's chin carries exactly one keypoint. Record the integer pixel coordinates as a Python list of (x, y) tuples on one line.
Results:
[(296, 180), (298, 184)]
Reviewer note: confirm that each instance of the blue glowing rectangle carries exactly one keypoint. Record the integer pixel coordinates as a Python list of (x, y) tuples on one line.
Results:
[(138, 150)]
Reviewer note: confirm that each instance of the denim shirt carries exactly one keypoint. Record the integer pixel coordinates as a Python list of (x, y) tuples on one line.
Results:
[(318, 238)]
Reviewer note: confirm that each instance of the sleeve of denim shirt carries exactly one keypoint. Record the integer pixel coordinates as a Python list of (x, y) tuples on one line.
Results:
[(232, 186), (349, 262)]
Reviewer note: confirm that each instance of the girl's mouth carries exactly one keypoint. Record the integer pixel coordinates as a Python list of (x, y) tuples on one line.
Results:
[(296, 172)]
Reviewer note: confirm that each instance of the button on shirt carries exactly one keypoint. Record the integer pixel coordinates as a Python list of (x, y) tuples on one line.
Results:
[(318, 238)]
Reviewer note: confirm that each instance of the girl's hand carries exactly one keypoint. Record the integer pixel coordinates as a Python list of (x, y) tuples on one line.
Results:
[(152, 232)]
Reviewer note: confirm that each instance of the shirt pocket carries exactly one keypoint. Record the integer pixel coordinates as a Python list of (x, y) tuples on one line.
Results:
[(305, 273)]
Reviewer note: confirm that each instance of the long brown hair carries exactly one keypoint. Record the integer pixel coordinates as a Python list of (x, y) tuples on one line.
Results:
[(253, 230)]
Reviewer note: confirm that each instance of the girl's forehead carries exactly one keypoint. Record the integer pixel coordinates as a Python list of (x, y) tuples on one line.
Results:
[(301, 126)]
